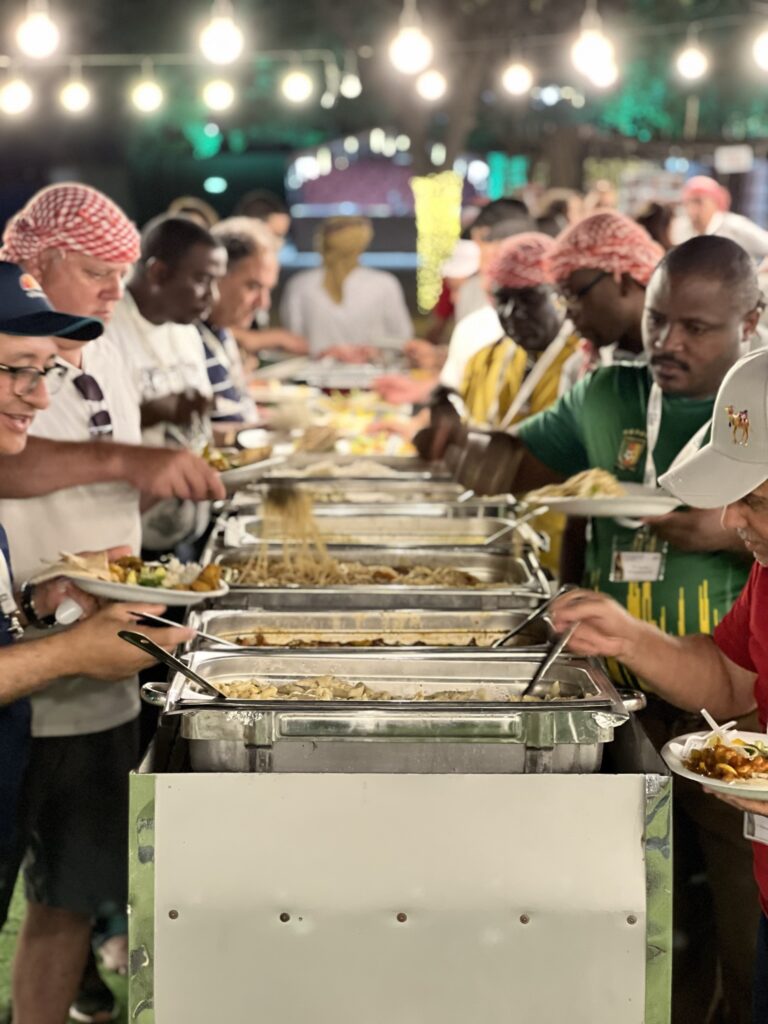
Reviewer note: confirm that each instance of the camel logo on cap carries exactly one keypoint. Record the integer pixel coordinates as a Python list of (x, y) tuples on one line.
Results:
[(29, 285), (739, 425)]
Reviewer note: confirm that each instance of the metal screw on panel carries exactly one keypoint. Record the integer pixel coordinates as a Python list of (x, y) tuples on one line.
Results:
[(402, 918), (525, 919), (173, 914), (631, 919), (285, 917)]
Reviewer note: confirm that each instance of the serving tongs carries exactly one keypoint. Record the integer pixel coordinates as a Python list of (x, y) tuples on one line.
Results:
[(170, 660), (555, 650), (535, 614), (513, 525)]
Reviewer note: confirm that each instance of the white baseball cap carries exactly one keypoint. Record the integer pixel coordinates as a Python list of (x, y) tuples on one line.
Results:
[(735, 461), (464, 261)]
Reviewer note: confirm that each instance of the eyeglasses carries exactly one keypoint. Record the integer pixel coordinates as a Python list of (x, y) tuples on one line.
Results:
[(25, 379), (573, 298), (100, 422)]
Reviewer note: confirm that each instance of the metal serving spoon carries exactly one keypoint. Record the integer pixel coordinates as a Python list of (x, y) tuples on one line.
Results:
[(154, 651), (555, 650)]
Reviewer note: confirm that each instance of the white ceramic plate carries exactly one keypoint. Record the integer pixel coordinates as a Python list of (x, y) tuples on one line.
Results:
[(638, 502), (756, 790), (135, 594)]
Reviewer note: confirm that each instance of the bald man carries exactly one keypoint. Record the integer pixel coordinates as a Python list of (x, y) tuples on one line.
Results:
[(683, 572)]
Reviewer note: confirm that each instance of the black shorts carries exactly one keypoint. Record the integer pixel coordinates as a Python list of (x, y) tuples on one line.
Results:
[(75, 820)]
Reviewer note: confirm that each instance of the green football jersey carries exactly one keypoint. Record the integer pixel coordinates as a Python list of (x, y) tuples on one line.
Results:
[(601, 423)]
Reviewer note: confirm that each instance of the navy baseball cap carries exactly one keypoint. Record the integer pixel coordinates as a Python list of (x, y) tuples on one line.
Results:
[(25, 310)]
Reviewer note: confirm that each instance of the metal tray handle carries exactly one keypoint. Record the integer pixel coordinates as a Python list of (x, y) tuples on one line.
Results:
[(633, 700)]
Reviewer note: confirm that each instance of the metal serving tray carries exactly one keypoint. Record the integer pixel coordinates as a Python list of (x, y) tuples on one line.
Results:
[(513, 580), (251, 500), (397, 629), (407, 467), (401, 735), (354, 525), (367, 491)]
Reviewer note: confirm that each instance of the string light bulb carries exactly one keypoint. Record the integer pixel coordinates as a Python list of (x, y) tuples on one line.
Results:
[(16, 97), (147, 95), (760, 50), (411, 51), (350, 86), (75, 96), (221, 41), (218, 94), (297, 85), (38, 35), (593, 53), (431, 85), (517, 79), (692, 62)]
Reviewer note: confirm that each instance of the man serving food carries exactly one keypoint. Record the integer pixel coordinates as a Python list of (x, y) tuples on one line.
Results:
[(726, 672)]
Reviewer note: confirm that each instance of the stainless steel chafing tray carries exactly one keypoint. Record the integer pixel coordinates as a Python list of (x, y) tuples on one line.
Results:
[(401, 735), (394, 629), (360, 525), (250, 502), (311, 465), (369, 491), (512, 580)]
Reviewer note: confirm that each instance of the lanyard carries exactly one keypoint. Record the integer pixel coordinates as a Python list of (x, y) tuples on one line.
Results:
[(536, 375), (652, 428), (8, 606)]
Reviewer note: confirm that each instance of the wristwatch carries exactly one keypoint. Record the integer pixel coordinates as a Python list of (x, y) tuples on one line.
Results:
[(28, 608)]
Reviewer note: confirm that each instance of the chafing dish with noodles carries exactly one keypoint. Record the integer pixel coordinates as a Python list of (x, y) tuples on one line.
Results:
[(468, 578), (260, 628), (385, 712)]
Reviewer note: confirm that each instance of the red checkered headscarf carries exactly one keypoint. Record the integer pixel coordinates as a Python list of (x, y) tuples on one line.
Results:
[(520, 261), (75, 218), (701, 185), (605, 241)]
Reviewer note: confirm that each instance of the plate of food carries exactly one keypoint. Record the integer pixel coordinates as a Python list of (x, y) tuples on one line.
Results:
[(595, 492), (726, 760), (240, 465), (169, 582)]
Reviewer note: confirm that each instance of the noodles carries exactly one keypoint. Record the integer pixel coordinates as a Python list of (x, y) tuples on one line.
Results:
[(591, 483), (305, 560), (293, 571)]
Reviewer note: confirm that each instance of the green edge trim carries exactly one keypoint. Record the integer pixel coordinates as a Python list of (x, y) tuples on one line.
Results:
[(141, 900), (658, 874)]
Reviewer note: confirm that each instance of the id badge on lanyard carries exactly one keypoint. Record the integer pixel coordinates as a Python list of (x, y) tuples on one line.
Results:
[(641, 560), (8, 606)]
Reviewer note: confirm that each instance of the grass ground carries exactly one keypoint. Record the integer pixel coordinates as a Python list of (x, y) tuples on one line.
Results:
[(7, 946)]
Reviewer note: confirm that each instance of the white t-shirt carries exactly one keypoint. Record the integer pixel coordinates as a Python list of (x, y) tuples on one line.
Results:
[(162, 359), (473, 332), (87, 518), (165, 359), (372, 310)]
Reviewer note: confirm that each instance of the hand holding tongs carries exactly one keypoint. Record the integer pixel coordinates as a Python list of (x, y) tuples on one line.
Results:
[(555, 650), (535, 614)]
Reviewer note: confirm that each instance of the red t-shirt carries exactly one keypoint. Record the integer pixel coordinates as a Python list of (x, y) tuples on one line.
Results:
[(742, 636)]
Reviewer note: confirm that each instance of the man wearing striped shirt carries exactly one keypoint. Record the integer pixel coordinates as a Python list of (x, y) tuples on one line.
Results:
[(246, 288)]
